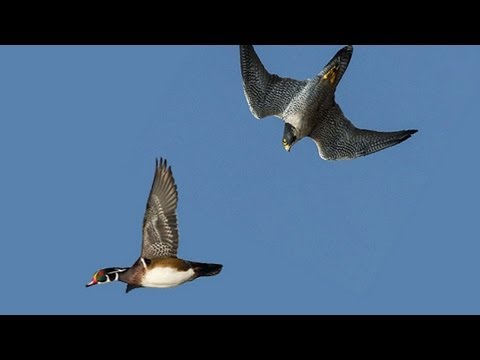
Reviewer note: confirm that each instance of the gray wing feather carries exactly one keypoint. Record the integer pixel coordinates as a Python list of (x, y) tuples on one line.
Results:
[(160, 230), (338, 139), (267, 94)]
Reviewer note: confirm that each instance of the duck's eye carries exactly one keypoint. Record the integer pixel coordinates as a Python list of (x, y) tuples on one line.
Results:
[(100, 277)]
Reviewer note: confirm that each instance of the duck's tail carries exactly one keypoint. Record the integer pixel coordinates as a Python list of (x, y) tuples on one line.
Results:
[(203, 269)]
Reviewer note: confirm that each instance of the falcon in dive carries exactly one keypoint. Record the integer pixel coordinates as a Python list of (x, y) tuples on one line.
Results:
[(309, 109)]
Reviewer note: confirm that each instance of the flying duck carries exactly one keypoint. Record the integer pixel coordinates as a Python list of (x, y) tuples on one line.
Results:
[(158, 265)]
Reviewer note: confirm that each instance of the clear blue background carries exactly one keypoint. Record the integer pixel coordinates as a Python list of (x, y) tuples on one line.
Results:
[(393, 232)]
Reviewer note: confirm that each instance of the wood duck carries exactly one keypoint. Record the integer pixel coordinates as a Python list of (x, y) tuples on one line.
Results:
[(158, 265)]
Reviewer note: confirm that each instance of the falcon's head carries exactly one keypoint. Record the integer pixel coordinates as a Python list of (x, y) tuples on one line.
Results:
[(289, 136)]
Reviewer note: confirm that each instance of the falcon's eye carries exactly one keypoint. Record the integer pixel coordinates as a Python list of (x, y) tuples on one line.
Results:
[(284, 141)]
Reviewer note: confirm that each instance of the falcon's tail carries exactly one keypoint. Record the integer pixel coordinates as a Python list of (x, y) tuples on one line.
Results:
[(337, 66), (203, 269)]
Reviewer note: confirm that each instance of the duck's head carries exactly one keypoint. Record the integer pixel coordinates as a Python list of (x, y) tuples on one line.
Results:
[(106, 275)]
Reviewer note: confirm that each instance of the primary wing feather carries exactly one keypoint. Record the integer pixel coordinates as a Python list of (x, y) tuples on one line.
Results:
[(267, 94), (160, 230)]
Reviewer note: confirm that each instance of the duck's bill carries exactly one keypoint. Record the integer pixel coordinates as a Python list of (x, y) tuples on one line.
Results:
[(91, 283)]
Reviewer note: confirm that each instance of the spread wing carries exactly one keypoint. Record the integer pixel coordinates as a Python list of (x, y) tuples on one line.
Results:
[(338, 139), (267, 94), (160, 232)]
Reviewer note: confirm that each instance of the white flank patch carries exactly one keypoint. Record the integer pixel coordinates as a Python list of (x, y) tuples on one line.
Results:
[(164, 277)]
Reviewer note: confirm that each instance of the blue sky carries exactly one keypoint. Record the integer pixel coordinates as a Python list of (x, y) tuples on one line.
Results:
[(391, 233)]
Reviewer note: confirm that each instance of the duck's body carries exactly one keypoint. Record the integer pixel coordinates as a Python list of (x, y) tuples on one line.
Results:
[(168, 275), (158, 266), (165, 272)]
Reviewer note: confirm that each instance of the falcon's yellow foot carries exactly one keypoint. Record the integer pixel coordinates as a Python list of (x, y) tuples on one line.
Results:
[(331, 75)]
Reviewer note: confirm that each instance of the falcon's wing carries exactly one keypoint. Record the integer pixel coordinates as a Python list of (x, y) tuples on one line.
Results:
[(338, 139), (267, 94)]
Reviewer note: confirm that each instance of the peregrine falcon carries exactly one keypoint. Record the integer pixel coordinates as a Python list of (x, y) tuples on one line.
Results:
[(308, 108)]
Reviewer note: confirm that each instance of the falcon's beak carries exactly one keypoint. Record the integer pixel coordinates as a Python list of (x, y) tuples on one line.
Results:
[(287, 147)]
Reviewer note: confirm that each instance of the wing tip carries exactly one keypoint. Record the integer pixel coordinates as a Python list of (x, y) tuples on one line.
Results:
[(407, 134), (164, 171), (161, 163)]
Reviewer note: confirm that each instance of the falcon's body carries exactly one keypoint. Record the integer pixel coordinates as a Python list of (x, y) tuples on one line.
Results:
[(158, 265), (308, 108)]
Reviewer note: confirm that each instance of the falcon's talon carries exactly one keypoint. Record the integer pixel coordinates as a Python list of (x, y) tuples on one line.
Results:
[(331, 75)]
